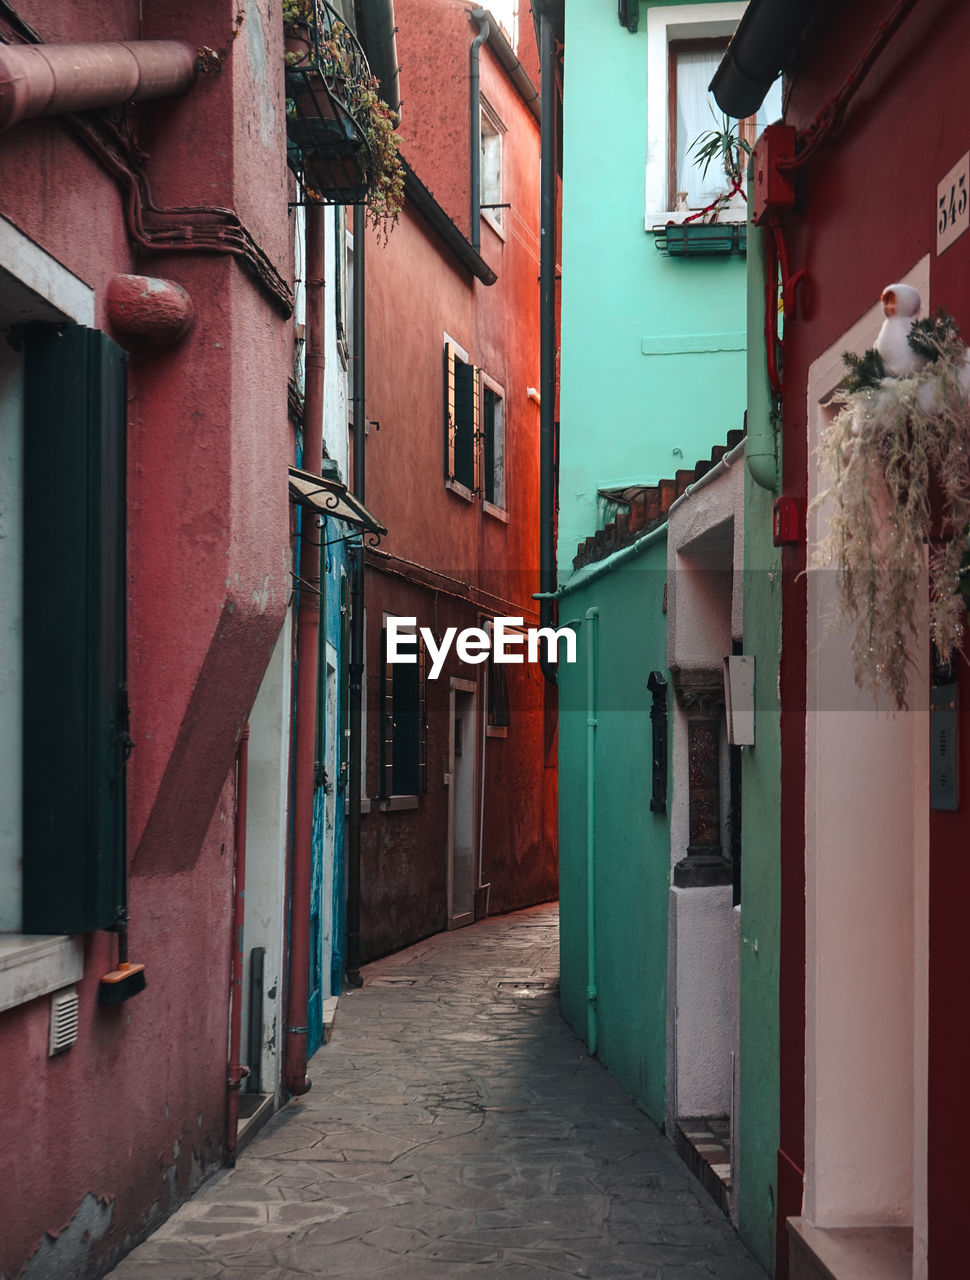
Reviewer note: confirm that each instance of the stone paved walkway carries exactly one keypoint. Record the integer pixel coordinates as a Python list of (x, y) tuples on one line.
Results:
[(455, 1128)]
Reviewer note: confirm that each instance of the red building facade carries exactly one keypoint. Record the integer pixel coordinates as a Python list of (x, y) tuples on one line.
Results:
[(460, 770), (172, 565), (874, 873)]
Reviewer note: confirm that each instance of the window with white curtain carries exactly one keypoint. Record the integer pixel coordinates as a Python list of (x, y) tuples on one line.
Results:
[(692, 112)]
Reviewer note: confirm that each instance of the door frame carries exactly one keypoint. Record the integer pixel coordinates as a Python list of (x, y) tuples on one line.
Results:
[(458, 685)]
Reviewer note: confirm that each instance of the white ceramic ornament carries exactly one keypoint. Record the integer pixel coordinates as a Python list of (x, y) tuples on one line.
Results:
[(900, 304)]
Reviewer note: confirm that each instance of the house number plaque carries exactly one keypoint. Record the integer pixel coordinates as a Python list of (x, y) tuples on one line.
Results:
[(953, 204)]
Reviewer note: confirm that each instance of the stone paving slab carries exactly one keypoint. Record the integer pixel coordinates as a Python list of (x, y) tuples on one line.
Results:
[(456, 1128)]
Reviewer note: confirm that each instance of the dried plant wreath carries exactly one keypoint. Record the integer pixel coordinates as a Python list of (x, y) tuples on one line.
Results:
[(899, 451)]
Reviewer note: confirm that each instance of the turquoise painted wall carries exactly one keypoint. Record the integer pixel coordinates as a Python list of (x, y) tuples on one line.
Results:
[(631, 847), (761, 887), (627, 417)]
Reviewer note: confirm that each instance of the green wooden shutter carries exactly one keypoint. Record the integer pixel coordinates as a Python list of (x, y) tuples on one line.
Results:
[(75, 740), (466, 424)]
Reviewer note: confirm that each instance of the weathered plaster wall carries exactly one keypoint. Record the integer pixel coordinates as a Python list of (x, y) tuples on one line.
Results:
[(757, 1133), (618, 290), (135, 1109), (631, 843), (418, 294), (850, 256)]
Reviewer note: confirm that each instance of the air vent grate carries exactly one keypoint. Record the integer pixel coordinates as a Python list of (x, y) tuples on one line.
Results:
[(64, 1018)]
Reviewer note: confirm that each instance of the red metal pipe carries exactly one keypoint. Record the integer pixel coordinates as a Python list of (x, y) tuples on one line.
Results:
[(50, 79), (237, 1071), (307, 666)]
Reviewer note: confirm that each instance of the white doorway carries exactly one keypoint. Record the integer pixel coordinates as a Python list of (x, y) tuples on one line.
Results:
[(462, 809)]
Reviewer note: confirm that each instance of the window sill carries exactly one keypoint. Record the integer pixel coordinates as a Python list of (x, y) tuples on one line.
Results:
[(496, 731), (397, 804), (364, 805), (32, 965), (497, 513), (459, 490), (661, 217)]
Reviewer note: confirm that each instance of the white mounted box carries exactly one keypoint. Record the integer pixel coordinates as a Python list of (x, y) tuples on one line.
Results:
[(739, 699)]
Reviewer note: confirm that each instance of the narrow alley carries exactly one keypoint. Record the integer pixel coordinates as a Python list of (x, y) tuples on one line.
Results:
[(455, 1127)]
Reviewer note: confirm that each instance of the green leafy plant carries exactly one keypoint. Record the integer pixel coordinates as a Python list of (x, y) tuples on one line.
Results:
[(898, 450), (725, 145), (865, 371)]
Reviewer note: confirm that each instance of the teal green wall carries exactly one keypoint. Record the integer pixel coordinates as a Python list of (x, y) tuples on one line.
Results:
[(632, 847), (761, 888), (624, 415)]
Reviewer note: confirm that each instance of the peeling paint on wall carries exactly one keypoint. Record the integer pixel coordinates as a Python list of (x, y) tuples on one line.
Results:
[(63, 1254)]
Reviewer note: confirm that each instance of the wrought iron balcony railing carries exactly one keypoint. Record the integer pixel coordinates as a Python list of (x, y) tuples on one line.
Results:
[(329, 96)]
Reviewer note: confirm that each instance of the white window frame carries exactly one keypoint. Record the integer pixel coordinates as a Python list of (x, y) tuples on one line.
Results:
[(492, 128), (498, 509), (664, 24)]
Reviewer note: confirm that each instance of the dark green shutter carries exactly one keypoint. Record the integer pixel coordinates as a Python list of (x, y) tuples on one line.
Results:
[(75, 702), (466, 387)]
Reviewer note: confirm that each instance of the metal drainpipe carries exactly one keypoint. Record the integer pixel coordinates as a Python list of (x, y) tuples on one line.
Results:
[(476, 122), (237, 1072), (547, 340), (307, 668), (592, 616), (50, 79), (356, 617), (761, 443)]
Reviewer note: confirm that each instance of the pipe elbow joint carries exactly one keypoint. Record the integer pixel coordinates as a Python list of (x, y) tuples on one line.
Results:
[(298, 1085), (763, 468)]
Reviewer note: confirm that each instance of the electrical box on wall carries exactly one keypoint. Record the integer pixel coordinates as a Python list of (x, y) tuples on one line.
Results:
[(786, 525), (774, 185)]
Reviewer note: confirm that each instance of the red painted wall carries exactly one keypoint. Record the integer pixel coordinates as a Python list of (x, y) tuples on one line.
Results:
[(867, 212), (417, 292), (132, 1114)]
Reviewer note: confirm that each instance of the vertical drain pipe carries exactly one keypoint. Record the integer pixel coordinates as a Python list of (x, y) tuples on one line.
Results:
[(356, 664), (547, 340), (237, 1072), (307, 669), (761, 445), (475, 96), (592, 616)]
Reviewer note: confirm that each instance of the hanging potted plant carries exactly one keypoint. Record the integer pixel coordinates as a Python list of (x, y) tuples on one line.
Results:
[(297, 37), (898, 451), (343, 130)]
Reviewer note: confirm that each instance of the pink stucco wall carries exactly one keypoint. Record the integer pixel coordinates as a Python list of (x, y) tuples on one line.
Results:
[(132, 1115)]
